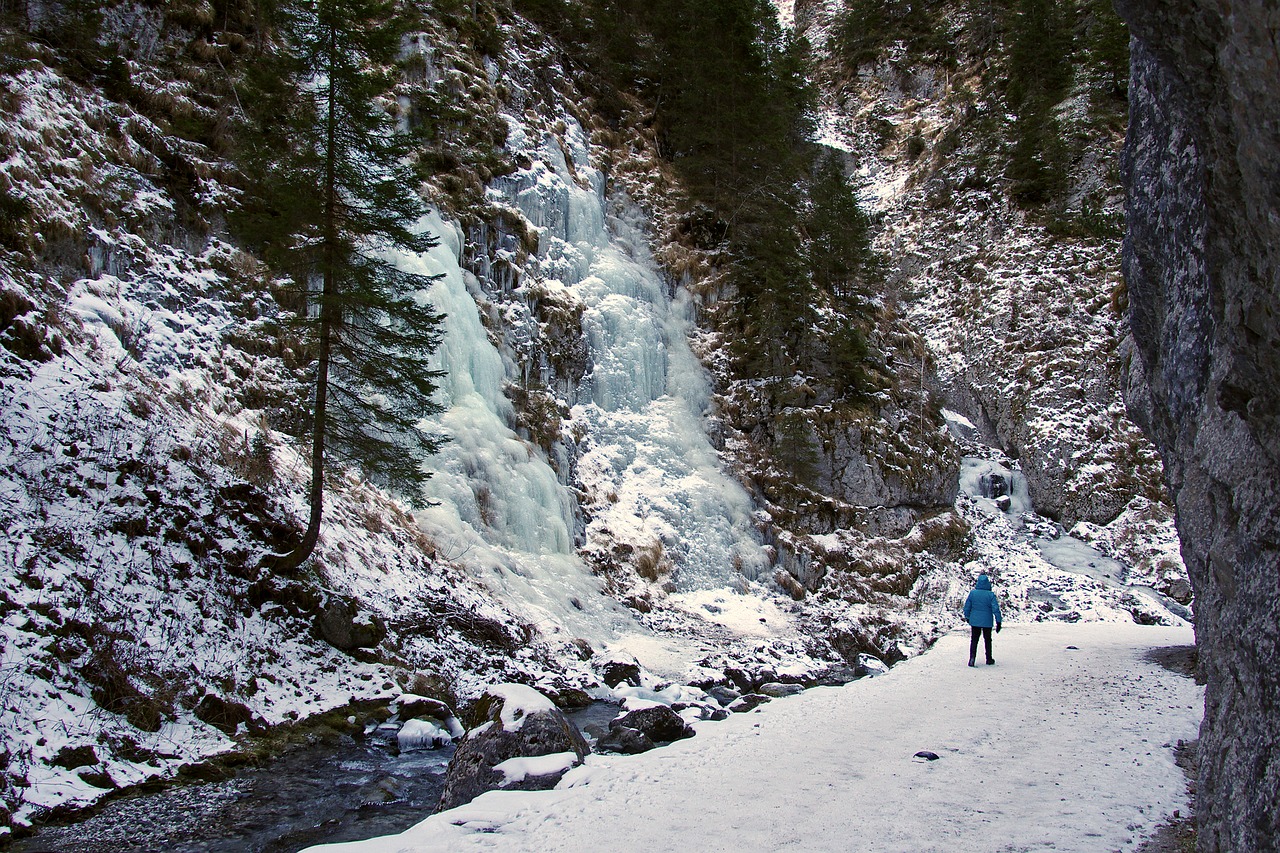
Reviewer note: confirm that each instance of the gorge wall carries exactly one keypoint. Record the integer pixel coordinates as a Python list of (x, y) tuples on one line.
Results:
[(1202, 259)]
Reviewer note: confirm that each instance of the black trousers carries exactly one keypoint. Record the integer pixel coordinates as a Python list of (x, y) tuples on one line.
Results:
[(974, 633)]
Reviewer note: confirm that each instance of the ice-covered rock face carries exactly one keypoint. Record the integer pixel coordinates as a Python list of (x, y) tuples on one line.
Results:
[(1202, 258), (641, 457), (645, 461)]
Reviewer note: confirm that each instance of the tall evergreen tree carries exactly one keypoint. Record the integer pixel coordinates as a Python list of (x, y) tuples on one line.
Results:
[(734, 114), (843, 266), (839, 232), (865, 28), (1039, 78), (332, 194)]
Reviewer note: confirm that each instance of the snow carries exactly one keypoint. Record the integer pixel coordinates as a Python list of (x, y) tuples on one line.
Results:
[(1065, 744), (420, 734), (516, 770), (745, 614), (155, 383), (518, 702), (786, 12)]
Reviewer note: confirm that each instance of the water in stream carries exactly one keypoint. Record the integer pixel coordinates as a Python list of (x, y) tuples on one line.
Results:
[(337, 790)]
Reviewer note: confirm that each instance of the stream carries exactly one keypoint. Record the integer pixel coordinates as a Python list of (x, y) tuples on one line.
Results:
[(337, 788), (332, 790)]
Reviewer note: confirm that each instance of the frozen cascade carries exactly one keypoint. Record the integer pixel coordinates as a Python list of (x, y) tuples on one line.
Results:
[(642, 404), (1060, 549), (499, 507), (975, 473)]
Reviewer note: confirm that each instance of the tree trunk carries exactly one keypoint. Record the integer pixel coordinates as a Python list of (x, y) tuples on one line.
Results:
[(290, 562)]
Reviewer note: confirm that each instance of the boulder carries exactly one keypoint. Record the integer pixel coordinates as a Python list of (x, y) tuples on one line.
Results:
[(659, 723), (433, 687), (510, 721), (98, 779), (341, 625), (72, 757), (410, 707), (614, 671), (869, 666), (1179, 590), (225, 715), (745, 681), (569, 698), (832, 676), (625, 740), (749, 702), (776, 690), (723, 695)]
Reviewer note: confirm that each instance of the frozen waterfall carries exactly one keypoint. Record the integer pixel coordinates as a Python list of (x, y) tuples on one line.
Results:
[(500, 507), (643, 401)]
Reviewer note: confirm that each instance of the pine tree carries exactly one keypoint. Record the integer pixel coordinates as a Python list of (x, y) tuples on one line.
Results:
[(843, 266), (1039, 78), (839, 233), (734, 115), (865, 28), (331, 193)]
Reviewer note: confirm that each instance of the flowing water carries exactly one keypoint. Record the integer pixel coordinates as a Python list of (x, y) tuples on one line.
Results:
[(339, 789)]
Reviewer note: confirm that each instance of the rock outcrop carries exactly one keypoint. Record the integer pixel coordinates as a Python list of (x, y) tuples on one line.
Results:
[(1202, 264)]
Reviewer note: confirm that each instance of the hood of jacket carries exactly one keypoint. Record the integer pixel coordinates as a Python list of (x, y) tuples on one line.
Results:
[(984, 582)]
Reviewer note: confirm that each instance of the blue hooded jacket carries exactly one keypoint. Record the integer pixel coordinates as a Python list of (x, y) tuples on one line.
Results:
[(981, 608)]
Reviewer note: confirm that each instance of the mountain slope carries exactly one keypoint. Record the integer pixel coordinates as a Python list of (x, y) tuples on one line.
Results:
[(1019, 303)]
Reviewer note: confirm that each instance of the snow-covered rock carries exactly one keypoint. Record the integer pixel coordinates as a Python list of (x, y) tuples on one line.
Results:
[(513, 723)]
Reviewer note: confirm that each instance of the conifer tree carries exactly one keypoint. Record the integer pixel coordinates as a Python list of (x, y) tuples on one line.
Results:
[(865, 28), (839, 233), (843, 266), (1039, 77), (331, 194)]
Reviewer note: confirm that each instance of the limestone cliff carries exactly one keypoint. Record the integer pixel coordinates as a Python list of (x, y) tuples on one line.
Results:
[(1202, 263)]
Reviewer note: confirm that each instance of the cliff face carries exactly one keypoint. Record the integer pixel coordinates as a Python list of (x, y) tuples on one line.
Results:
[(1012, 301), (1202, 264)]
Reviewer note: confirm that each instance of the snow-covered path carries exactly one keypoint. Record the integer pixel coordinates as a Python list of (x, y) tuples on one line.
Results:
[(1052, 748)]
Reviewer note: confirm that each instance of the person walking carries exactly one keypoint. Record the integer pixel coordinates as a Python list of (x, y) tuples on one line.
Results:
[(982, 610)]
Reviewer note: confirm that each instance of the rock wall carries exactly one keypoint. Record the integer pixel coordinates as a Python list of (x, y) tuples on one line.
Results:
[(1202, 266)]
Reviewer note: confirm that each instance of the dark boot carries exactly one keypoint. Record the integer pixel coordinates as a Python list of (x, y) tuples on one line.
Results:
[(990, 661), (970, 661)]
